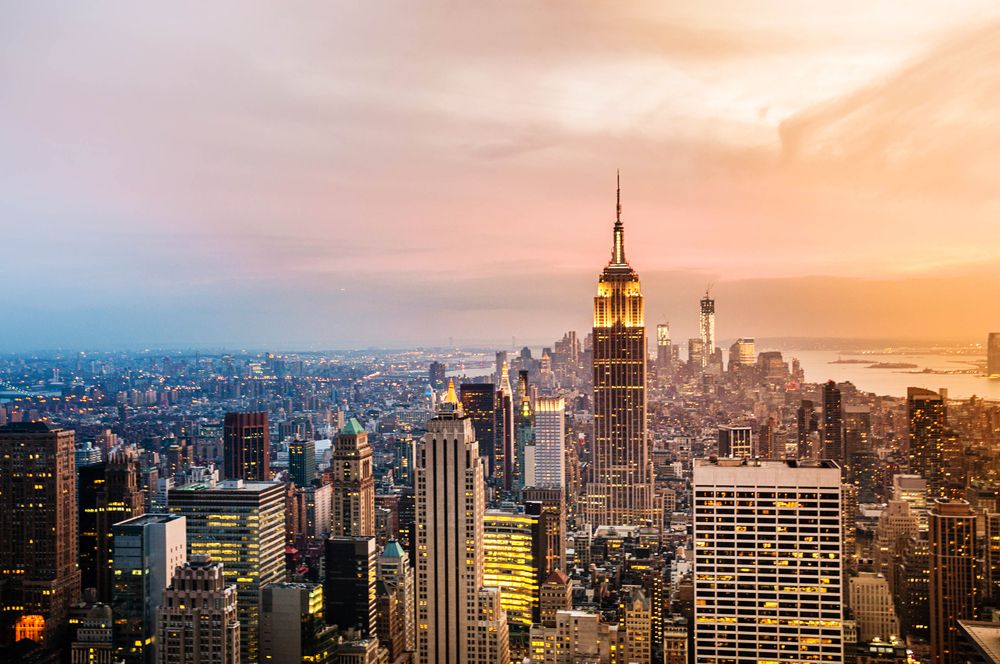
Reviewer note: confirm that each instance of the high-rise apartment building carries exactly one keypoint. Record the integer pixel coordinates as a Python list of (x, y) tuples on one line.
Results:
[(833, 424), (353, 483), (241, 525), (771, 528), (479, 401), (953, 582), (302, 462), (458, 619), (148, 549), (927, 413), (993, 354), (620, 491), (292, 628), (196, 621), (38, 530), (247, 447), (350, 583), (550, 434)]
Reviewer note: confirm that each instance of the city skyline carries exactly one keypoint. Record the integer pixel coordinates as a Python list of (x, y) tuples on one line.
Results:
[(295, 174)]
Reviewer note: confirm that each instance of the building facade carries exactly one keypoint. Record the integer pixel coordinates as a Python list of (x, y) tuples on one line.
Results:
[(197, 620), (38, 530), (458, 619), (242, 526), (620, 491), (773, 526), (353, 483), (148, 549), (246, 445)]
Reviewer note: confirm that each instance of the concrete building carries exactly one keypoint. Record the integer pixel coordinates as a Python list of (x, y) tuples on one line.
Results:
[(621, 490), (197, 620), (775, 526), (953, 582), (241, 525), (550, 434), (353, 483), (870, 601), (292, 628), (458, 619), (38, 531), (395, 591), (349, 584), (147, 551)]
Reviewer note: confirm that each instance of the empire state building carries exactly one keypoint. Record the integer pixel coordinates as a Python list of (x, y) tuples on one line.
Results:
[(620, 491)]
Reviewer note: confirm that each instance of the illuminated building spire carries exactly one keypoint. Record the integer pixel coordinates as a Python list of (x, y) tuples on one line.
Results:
[(505, 380), (618, 253)]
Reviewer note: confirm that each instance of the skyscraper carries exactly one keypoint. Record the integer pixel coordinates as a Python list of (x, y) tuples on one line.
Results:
[(353, 483), (928, 415), (663, 352), (148, 549), (119, 498), (397, 624), (706, 327), (620, 491), (511, 548), (349, 586), (993, 354), (743, 353), (808, 424), (833, 424), (550, 434), (953, 580), (241, 525), (38, 530), (503, 454), (479, 401), (196, 622), (767, 561), (302, 461), (458, 619), (292, 628), (247, 447)]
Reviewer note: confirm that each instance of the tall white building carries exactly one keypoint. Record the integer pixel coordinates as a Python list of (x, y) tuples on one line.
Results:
[(550, 432), (767, 561), (458, 619)]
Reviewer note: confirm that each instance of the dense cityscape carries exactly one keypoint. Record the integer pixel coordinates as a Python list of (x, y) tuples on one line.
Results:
[(614, 497)]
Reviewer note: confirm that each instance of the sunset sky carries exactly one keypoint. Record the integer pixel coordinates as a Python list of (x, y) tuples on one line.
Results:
[(344, 174)]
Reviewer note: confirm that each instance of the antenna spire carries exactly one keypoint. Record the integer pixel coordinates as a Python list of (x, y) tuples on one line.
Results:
[(618, 252)]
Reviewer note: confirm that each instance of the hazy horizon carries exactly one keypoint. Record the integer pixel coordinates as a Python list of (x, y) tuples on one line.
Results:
[(370, 176)]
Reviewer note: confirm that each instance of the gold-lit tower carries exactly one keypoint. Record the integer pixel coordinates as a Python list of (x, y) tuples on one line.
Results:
[(620, 491)]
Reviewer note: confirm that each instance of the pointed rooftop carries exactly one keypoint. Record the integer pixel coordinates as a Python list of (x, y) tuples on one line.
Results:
[(352, 428), (558, 576), (393, 550)]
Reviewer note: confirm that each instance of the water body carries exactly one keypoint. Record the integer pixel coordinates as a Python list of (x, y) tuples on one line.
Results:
[(893, 382)]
